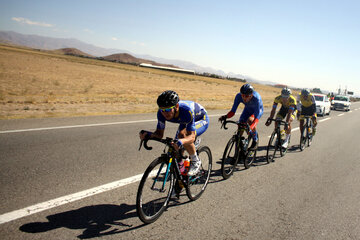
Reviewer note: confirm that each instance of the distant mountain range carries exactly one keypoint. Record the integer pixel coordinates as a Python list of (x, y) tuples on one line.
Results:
[(48, 43)]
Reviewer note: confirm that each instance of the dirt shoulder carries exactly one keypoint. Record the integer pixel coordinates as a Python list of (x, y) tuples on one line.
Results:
[(37, 84)]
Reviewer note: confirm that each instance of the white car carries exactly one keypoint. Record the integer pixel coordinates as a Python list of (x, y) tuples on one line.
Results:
[(341, 103), (323, 105)]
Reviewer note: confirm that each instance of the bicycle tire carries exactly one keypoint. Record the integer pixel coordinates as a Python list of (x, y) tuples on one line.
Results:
[(310, 134), (250, 154), (272, 147), (197, 184), (151, 199), (303, 139), (230, 158), (283, 150)]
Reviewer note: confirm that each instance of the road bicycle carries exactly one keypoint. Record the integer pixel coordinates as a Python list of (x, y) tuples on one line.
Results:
[(163, 178), (237, 149), (307, 133), (276, 140)]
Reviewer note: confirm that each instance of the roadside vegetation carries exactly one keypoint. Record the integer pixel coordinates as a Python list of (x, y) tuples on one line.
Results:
[(36, 83)]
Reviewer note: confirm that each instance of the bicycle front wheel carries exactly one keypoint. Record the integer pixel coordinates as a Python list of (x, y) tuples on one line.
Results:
[(283, 150), (250, 154), (154, 191), (230, 158), (303, 139), (310, 134), (198, 183), (272, 148)]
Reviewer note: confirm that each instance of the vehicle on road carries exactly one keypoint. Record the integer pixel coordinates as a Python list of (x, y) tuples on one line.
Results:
[(323, 105), (167, 176), (341, 103)]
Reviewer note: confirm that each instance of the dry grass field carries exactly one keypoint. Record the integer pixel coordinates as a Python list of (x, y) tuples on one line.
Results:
[(36, 84)]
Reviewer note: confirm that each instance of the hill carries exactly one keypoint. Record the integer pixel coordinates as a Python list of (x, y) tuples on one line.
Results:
[(48, 43), (73, 52), (129, 59)]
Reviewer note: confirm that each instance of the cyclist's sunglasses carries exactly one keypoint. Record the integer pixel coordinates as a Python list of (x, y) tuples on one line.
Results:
[(166, 109), (246, 95)]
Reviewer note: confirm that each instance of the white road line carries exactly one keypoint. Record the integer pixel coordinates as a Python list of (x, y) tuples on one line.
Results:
[(75, 126), (323, 120), (342, 114), (7, 217), (86, 125)]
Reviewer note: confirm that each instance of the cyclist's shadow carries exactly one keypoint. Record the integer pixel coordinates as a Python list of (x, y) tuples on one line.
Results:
[(97, 220)]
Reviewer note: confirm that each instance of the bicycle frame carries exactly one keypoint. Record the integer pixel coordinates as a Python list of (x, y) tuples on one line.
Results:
[(308, 136), (171, 157), (237, 135), (278, 142)]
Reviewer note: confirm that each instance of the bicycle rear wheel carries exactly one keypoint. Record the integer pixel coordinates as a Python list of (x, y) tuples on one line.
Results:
[(154, 191), (250, 154), (197, 184), (272, 147), (229, 159)]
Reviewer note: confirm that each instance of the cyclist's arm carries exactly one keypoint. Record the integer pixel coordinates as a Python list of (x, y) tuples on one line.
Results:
[(254, 123), (159, 133), (272, 113), (237, 101), (298, 102), (290, 112), (188, 139)]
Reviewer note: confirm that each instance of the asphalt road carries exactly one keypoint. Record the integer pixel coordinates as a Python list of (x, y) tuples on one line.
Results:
[(312, 194)]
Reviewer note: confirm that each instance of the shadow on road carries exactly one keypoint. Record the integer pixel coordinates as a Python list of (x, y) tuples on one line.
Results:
[(97, 220), (216, 175)]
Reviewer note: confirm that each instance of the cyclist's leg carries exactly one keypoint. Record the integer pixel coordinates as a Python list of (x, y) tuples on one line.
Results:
[(250, 118), (200, 127), (314, 123), (301, 118), (244, 117), (277, 117), (288, 132), (190, 148)]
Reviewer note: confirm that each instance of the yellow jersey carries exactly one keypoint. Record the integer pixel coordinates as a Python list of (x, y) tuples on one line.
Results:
[(291, 101), (305, 101)]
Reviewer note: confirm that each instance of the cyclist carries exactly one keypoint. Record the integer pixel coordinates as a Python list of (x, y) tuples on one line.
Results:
[(193, 121), (252, 112), (288, 110), (306, 107)]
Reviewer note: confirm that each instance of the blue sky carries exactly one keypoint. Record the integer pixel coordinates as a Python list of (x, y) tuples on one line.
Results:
[(307, 43)]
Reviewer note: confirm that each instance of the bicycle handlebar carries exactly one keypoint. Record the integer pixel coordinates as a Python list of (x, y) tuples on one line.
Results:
[(280, 122), (223, 125), (167, 141)]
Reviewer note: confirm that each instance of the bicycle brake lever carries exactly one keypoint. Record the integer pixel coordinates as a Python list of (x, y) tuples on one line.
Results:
[(141, 143)]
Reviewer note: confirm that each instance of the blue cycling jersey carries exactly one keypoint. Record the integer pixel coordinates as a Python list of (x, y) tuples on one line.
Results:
[(254, 106), (189, 113)]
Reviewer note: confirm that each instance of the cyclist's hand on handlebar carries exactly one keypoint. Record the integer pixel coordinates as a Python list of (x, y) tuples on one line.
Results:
[(222, 118), (268, 122), (175, 145), (144, 134)]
